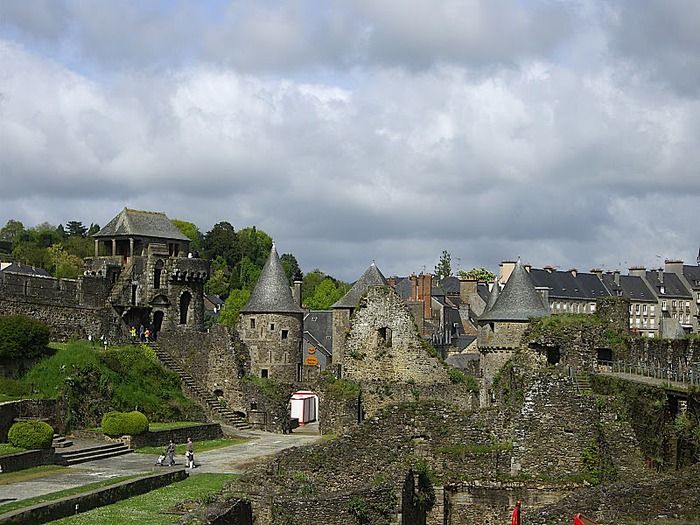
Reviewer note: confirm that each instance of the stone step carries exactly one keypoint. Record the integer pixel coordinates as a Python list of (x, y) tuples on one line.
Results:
[(60, 442), (82, 455)]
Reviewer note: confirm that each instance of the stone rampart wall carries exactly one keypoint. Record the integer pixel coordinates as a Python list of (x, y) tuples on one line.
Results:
[(554, 427), (65, 321), (677, 354)]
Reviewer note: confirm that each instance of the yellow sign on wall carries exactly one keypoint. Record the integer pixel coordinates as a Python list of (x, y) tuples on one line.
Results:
[(311, 360), (311, 350)]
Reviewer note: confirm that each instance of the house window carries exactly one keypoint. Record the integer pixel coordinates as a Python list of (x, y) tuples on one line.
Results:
[(272, 326), (285, 333), (664, 305), (644, 309), (264, 373), (636, 308), (652, 309), (252, 322)]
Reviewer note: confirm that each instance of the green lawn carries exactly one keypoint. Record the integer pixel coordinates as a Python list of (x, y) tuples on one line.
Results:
[(7, 507), (199, 446), (6, 449), (156, 507)]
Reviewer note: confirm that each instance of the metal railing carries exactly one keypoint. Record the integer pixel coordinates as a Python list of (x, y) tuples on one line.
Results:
[(666, 376)]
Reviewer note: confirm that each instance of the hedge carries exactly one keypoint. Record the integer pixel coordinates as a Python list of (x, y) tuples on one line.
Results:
[(23, 337), (30, 435), (124, 423)]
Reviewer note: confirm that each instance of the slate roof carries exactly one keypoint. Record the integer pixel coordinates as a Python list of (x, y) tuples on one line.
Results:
[(518, 301), (404, 288), (371, 277), (450, 285), (462, 360), (272, 293), (141, 224), (692, 273), (566, 285), (632, 287), (673, 287), (26, 269), (318, 327)]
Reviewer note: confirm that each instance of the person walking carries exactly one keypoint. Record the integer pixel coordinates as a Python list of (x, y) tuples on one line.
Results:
[(171, 453), (189, 452)]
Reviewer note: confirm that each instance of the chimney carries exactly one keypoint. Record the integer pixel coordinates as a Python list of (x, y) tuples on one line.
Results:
[(506, 268), (297, 292), (425, 289), (598, 272), (660, 275), (616, 275), (573, 271), (674, 266), (467, 287), (548, 269), (414, 287), (638, 271), (527, 267)]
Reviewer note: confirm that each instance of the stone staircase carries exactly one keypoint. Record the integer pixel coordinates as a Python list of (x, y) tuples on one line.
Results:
[(82, 455), (213, 403), (583, 383), (60, 442)]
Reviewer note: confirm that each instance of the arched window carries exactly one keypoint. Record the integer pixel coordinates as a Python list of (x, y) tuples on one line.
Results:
[(185, 300)]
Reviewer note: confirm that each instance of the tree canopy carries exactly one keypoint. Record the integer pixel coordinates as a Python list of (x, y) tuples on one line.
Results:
[(480, 274)]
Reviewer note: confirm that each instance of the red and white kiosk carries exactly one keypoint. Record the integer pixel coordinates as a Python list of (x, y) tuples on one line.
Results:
[(304, 406)]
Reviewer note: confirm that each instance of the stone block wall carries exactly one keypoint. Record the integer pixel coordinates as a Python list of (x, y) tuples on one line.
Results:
[(157, 438), (554, 427), (25, 460)]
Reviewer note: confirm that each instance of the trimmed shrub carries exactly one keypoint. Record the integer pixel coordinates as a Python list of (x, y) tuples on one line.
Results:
[(124, 423), (23, 337), (30, 435)]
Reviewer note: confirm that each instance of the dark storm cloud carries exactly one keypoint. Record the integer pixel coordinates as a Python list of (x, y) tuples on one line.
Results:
[(353, 131)]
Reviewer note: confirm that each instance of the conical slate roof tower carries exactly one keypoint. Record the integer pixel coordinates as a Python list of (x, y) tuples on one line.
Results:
[(371, 277), (518, 301), (272, 293)]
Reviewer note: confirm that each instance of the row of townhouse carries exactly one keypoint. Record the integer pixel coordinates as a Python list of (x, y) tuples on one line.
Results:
[(661, 299)]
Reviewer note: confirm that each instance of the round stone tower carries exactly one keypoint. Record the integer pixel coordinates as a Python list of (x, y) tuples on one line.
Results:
[(271, 325)]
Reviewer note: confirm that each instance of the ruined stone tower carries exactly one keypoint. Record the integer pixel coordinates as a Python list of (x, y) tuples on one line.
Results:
[(344, 308)]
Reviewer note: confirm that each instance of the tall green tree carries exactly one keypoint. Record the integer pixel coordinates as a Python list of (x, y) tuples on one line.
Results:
[(291, 267), (222, 241), (218, 282), (76, 228), (444, 266)]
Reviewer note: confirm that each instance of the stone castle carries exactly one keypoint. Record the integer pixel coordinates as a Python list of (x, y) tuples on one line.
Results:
[(144, 274)]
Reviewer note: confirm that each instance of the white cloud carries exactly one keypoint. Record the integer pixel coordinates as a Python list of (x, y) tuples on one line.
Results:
[(491, 129)]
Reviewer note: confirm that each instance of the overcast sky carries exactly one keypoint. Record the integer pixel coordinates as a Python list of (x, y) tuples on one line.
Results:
[(564, 132)]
